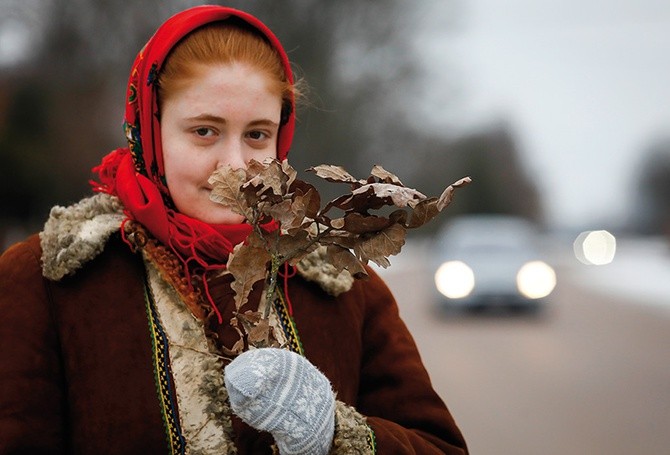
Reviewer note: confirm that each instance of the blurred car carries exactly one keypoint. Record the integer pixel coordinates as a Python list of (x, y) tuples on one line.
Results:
[(485, 261)]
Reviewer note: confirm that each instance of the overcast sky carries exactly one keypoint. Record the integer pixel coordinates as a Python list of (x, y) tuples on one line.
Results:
[(584, 84)]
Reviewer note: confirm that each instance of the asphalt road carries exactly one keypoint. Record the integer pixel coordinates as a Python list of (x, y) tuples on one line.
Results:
[(591, 375)]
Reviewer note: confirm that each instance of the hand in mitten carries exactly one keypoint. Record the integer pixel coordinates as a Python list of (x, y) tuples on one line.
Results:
[(280, 392)]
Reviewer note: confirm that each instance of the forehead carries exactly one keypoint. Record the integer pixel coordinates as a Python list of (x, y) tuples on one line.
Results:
[(225, 87)]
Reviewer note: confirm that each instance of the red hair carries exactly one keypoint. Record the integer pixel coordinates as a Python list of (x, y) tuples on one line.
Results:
[(224, 42)]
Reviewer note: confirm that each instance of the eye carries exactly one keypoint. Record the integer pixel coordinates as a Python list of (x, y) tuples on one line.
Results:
[(257, 135), (203, 131)]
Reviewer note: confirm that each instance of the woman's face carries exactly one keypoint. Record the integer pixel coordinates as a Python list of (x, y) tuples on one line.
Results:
[(227, 114)]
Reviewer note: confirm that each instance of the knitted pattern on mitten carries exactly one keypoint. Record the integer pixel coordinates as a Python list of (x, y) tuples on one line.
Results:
[(280, 392)]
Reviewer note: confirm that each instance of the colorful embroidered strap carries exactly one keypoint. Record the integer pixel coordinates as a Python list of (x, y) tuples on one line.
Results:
[(288, 324), (372, 441), (175, 439)]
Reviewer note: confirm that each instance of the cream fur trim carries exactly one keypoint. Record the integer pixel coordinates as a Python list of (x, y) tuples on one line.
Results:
[(316, 267), (204, 411), (351, 432), (74, 235)]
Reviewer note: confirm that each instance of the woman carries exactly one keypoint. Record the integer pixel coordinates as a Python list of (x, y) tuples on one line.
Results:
[(115, 318)]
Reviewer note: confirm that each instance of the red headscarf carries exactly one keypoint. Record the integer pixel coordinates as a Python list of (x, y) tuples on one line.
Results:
[(136, 174)]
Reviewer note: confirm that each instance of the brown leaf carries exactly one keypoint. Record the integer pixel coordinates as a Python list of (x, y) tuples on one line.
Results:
[(267, 176), (384, 175), (256, 327), (254, 168), (290, 172), (293, 247), (312, 201), (400, 196), (238, 348), (378, 247), (298, 210), (248, 319), (290, 214), (423, 212), (398, 216), (340, 238), (342, 258), (357, 223), (248, 265), (448, 193), (226, 183), (363, 201), (336, 174), (342, 202)]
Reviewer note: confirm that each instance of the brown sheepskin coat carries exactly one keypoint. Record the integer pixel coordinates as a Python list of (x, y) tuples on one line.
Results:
[(82, 369)]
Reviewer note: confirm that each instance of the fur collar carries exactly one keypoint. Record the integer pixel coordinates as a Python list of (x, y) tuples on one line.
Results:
[(74, 235)]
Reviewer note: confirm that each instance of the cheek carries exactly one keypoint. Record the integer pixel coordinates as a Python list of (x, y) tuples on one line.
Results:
[(178, 156), (187, 175), (181, 168), (172, 165), (168, 144), (178, 168)]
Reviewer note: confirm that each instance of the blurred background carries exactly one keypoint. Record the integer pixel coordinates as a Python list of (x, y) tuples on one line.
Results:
[(557, 109)]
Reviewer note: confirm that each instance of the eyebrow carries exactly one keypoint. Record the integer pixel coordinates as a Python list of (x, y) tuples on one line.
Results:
[(264, 122), (208, 118), (217, 119)]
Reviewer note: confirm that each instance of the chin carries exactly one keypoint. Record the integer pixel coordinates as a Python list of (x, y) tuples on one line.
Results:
[(214, 215), (218, 216), (237, 220)]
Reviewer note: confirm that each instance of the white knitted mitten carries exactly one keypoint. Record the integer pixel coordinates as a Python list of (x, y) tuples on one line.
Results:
[(281, 392)]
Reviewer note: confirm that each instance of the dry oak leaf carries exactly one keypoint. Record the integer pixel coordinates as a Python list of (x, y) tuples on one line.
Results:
[(257, 329), (267, 175), (357, 223), (310, 198), (248, 265), (448, 194), (400, 196), (336, 174), (342, 258), (384, 175), (289, 214), (290, 172), (381, 245), (428, 209), (294, 247), (226, 183), (360, 200), (340, 238)]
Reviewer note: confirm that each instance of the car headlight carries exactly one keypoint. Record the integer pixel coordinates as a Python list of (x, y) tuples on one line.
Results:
[(535, 280), (454, 279)]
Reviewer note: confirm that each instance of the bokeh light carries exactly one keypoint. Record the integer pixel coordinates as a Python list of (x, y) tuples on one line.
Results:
[(454, 279), (595, 247), (536, 280)]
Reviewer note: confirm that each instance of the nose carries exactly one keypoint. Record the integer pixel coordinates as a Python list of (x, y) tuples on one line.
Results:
[(231, 152)]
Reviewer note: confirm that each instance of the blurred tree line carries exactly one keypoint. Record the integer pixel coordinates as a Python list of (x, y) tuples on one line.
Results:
[(651, 208), (61, 108)]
